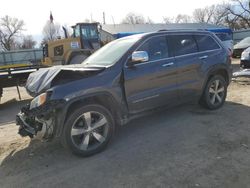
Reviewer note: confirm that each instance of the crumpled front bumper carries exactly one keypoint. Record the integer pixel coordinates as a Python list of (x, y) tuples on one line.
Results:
[(25, 129), (38, 122)]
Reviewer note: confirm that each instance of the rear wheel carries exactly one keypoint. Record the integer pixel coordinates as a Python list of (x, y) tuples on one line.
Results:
[(215, 93), (88, 130)]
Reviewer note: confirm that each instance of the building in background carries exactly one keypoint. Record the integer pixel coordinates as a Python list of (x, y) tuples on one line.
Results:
[(110, 32), (240, 34)]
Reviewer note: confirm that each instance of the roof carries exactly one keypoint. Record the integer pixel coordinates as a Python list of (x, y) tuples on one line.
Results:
[(139, 28)]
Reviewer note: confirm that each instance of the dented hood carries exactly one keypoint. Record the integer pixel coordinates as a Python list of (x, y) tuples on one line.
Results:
[(42, 80)]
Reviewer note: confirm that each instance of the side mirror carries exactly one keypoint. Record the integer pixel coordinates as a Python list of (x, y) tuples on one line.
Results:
[(139, 57)]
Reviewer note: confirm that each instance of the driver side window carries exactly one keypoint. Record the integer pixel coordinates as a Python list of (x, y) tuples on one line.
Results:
[(156, 48)]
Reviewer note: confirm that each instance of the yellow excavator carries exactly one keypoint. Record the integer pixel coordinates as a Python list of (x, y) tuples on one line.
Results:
[(75, 49)]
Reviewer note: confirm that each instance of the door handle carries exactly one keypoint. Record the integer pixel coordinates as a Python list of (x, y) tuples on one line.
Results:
[(168, 64), (203, 57)]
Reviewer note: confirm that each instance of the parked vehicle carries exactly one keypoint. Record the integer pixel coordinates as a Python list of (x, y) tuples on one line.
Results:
[(245, 58), (84, 104), (16, 65), (241, 46)]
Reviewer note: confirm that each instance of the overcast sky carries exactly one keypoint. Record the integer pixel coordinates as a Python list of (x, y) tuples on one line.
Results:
[(35, 13)]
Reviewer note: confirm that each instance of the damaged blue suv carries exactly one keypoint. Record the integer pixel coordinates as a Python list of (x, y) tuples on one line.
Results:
[(83, 104)]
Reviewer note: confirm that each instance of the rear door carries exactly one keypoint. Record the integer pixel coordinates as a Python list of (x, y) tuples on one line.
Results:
[(153, 83), (188, 65)]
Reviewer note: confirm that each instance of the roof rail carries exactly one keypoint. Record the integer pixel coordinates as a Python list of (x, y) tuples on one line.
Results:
[(162, 30)]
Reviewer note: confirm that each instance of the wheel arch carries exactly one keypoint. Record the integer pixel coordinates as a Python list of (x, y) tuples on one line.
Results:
[(222, 72), (105, 99), (217, 70)]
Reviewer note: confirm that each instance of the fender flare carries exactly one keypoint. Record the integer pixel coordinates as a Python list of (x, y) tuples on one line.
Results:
[(214, 70), (64, 112)]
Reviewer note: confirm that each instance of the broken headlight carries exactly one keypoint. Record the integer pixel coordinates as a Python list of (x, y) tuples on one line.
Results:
[(38, 101)]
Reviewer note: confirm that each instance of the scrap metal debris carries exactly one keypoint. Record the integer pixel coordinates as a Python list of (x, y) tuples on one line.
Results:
[(242, 76), (242, 73)]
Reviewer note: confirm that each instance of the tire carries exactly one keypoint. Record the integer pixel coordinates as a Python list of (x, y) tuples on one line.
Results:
[(78, 59), (88, 130), (215, 93)]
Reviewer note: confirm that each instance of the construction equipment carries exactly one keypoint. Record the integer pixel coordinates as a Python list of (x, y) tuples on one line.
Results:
[(75, 49)]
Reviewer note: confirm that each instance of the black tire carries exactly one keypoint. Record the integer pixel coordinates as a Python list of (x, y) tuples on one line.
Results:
[(71, 141), (211, 100), (78, 59)]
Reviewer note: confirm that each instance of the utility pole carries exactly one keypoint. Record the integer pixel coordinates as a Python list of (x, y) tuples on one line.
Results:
[(91, 18), (113, 20), (104, 20)]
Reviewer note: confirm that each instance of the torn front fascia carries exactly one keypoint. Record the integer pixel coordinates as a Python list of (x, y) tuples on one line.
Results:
[(27, 120), (44, 110)]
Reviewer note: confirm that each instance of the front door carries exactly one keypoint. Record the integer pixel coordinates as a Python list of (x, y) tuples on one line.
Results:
[(153, 83)]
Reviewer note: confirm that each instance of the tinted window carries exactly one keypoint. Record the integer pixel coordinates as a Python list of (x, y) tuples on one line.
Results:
[(184, 44), (224, 36), (156, 48), (206, 42)]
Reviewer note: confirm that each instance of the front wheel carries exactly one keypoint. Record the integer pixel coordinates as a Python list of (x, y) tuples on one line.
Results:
[(88, 130), (215, 93)]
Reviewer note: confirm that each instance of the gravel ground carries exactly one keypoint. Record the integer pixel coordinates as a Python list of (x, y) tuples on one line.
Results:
[(183, 147)]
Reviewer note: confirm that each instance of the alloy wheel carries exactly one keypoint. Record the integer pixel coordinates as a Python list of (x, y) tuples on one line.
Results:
[(89, 130), (216, 92)]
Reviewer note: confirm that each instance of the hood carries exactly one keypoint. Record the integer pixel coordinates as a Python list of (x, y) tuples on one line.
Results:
[(245, 43), (241, 46), (45, 78)]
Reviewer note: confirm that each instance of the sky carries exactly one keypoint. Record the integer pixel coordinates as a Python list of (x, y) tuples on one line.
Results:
[(36, 13)]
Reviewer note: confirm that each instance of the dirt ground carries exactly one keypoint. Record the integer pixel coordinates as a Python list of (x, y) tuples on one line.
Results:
[(183, 147)]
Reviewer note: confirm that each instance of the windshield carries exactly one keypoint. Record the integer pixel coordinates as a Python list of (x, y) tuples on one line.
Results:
[(111, 52), (89, 31)]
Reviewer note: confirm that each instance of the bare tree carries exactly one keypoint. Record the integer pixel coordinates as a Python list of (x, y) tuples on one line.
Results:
[(10, 29), (133, 18), (215, 14), (51, 31), (168, 20), (149, 21), (220, 13), (203, 15), (28, 42), (182, 18), (239, 16)]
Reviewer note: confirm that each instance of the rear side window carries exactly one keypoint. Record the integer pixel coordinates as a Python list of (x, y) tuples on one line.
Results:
[(156, 48), (224, 36), (184, 44), (206, 42)]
